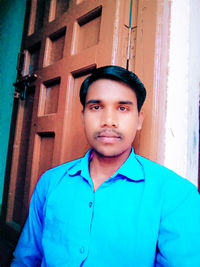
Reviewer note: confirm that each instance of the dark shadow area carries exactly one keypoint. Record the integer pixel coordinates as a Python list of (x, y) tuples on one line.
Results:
[(6, 251)]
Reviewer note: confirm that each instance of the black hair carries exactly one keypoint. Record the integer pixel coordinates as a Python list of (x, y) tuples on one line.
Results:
[(118, 74)]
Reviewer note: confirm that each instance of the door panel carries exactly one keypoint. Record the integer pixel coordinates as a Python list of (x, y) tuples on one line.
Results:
[(64, 42)]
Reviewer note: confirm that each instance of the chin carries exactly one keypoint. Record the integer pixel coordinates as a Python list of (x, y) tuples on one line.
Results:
[(109, 153)]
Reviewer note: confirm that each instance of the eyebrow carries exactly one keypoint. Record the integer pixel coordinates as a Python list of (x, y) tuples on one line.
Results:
[(93, 101), (125, 102)]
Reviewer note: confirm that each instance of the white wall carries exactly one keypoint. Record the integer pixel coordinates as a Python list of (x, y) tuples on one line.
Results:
[(182, 115)]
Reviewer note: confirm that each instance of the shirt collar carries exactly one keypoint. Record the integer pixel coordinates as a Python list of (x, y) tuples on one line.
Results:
[(82, 166), (131, 168)]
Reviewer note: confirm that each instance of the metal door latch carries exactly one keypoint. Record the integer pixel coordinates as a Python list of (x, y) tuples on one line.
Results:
[(22, 84)]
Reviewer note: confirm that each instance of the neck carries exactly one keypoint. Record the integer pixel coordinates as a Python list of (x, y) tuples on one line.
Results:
[(101, 167)]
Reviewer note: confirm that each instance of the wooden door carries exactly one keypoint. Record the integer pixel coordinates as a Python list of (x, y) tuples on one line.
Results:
[(63, 42)]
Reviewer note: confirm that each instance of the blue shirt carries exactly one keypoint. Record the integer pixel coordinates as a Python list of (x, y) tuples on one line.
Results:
[(144, 215)]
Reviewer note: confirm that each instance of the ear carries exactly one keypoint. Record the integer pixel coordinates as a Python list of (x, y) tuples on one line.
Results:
[(140, 120)]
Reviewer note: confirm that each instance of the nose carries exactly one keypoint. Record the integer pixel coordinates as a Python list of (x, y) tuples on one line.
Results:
[(109, 118)]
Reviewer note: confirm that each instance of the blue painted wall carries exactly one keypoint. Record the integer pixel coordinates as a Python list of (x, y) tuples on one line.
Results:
[(12, 13)]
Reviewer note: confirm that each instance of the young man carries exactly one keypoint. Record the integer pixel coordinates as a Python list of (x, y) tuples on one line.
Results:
[(111, 208)]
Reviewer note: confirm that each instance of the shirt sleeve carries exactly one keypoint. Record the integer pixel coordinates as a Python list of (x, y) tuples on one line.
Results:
[(29, 249), (179, 235)]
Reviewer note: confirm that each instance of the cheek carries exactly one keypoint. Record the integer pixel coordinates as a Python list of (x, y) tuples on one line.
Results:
[(90, 125), (130, 127)]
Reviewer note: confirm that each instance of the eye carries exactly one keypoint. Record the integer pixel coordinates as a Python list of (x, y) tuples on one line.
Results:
[(95, 107), (122, 108)]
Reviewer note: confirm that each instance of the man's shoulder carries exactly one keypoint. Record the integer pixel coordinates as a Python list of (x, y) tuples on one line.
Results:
[(155, 172), (154, 167), (171, 188), (63, 168), (54, 175)]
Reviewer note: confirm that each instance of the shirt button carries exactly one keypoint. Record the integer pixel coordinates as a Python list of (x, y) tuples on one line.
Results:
[(82, 250), (90, 204)]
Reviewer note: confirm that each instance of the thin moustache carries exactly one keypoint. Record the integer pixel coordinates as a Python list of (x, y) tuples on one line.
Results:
[(108, 133)]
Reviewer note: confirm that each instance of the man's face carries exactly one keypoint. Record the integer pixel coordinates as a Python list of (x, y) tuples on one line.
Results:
[(111, 117)]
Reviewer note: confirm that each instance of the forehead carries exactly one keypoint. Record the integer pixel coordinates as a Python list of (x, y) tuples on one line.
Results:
[(106, 89)]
